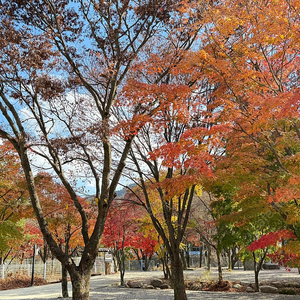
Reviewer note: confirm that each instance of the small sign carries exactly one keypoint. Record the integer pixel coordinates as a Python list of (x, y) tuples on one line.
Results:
[(108, 257)]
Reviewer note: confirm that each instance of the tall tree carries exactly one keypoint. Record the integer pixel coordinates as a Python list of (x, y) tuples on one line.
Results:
[(171, 154), (252, 52), (62, 64)]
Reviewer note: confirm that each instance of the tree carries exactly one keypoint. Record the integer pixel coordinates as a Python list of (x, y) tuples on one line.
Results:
[(143, 245), (13, 202), (62, 64), (126, 231), (262, 245), (206, 222), (171, 153), (62, 218), (144, 240), (117, 234), (252, 54)]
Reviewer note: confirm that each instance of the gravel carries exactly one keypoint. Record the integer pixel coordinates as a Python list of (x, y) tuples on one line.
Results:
[(105, 287), (115, 293)]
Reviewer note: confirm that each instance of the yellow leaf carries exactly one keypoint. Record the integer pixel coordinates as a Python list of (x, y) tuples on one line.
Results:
[(198, 190)]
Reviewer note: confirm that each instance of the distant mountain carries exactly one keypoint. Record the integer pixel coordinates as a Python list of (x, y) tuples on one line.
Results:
[(121, 193)]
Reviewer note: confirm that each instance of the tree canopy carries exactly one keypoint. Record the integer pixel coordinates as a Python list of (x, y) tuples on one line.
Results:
[(191, 95)]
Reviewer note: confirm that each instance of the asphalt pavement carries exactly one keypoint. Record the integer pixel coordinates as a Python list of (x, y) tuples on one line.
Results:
[(106, 287)]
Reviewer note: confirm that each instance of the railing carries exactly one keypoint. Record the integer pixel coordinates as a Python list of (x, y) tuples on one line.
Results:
[(51, 271)]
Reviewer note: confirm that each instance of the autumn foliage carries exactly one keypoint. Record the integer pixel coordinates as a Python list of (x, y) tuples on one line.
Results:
[(123, 229), (176, 94), (271, 239), (251, 53)]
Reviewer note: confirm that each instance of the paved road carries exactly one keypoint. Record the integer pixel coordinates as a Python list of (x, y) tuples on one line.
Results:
[(105, 287)]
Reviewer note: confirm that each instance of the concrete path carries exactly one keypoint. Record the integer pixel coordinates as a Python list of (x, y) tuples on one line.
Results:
[(105, 287)]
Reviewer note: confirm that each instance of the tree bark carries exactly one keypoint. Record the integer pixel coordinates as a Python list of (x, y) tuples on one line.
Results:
[(166, 270), (234, 257), (64, 271), (220, 275), (183, 260), (122, 270), (45, 270), (81, 285), (2, 267), (146, 263), (256, 272), (208, 257), (257, 267), (201, 257), (177, 276), (115, 260), (121, 265), (187, 256), (229, 260), (64, 282)]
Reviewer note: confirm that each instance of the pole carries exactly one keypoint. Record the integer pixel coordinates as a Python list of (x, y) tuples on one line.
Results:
[(33, 260)]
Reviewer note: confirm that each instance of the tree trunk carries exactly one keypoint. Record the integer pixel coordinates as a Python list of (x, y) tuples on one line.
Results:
[(2, 267), (122, 271), (81, 285), (45, 270), (64, 271), (147, 262), (229, 260), (257, 267), (256, 272), (121, 265), (187, 257), (234, 257), (208, 257), (184, 264), (64, 282), (166, 269), (122, 277), (201, 257), (115, 262), (256, 278), (177, 276), (220, 275)]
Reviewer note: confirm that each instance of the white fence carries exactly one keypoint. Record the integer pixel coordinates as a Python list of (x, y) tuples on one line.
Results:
[(51, 270)]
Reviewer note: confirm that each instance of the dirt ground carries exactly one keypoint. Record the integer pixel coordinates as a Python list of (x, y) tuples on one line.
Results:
[(234, 281)]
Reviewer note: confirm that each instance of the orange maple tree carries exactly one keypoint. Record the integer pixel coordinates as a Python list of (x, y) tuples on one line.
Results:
[(252, 54), (174, 149)]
